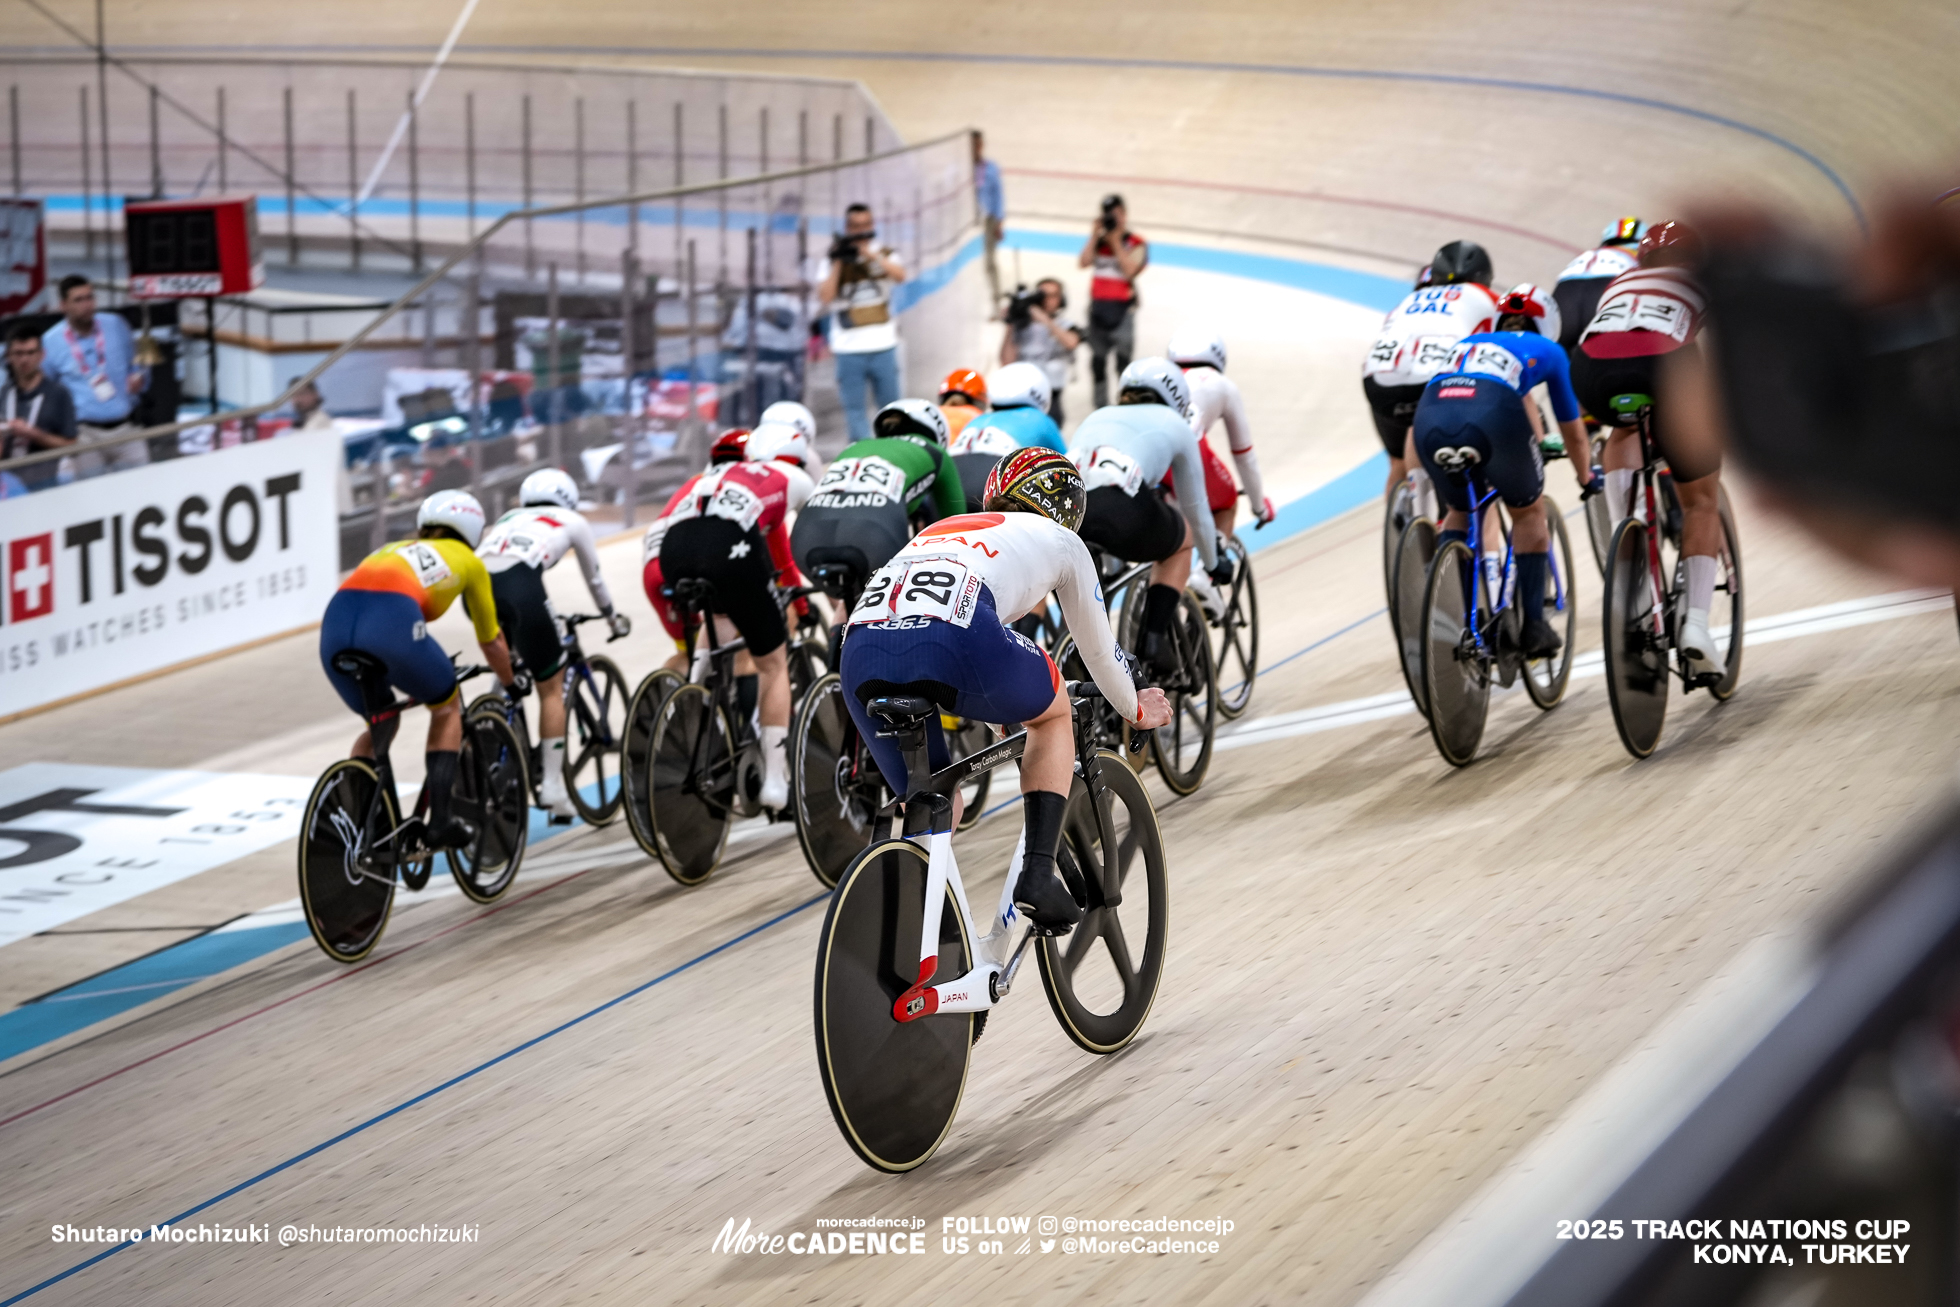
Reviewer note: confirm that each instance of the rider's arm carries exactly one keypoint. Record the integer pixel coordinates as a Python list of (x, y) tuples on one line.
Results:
[(1188, 479), (588, 561), (1238, 434), (1076, 588), (481, 605), (948, 492), (1565, 407)]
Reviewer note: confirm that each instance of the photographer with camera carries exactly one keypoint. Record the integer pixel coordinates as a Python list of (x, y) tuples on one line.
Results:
[(856, 286), (1038, 333), (1118, 256)]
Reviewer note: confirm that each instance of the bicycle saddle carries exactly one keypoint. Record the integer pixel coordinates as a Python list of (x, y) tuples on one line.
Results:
[(692, 592), (840, 569), (359, 664), (902, 709)]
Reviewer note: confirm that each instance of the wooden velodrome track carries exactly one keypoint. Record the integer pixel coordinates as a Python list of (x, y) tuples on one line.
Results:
[(1385, 977)]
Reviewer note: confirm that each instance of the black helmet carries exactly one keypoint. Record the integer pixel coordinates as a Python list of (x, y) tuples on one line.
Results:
[(1461, 261)]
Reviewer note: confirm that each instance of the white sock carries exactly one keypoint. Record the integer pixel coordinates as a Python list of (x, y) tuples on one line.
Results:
[(551, 757), (1619, 492), (1702, 570), (775, 760)]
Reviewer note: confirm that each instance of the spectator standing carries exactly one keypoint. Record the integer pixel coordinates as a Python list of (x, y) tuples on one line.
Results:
[(309, 410), (993, 211), (1117, 256), (1045, 337), (36, 414), (856, 287), (93, 356)]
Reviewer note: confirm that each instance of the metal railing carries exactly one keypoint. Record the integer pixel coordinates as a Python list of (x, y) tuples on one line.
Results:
[(606, 337)]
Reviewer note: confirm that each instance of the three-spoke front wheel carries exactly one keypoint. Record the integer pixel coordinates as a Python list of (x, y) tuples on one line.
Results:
[(595, 717), (1235, 636), (1102, 976), (493, 794), (834, 784)]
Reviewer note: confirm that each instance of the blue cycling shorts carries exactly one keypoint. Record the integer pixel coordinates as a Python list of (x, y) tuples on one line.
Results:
[(1466, 423), (388, 626), (986, 672)]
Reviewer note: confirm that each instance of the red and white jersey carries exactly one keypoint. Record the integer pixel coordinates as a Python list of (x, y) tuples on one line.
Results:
[(1646, 311), (1419, 335), (754, 496), (1215, 398), (1019, 558), (1606, 261), (540, 536)]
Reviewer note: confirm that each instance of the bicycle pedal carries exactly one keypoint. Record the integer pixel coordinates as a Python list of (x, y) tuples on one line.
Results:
[(553, 819)]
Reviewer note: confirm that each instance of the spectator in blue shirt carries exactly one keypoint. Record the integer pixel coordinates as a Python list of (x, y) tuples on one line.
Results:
[(94, 356), (993, 209)]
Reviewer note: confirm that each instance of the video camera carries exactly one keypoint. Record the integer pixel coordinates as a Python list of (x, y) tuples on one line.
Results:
[(1110, 204), (849, 248), (1019, 305)]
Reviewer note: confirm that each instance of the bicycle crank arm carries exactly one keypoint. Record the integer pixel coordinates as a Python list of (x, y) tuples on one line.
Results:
[(973, 992)]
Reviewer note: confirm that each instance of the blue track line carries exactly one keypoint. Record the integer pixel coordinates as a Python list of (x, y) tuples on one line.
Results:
[(425, 1095)]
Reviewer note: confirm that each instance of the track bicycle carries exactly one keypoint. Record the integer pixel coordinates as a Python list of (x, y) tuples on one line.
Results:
[(1646, 603), (1414, 498), (693, 759), (1182, 748), (354, 845), (1235, 633), (893, 1048), (835, 787), (1471, 624), (595, 730)]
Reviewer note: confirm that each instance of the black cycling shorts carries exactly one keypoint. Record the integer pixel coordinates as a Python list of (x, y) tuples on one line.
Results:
[(737, 563), (862, 536), (1475, 428), (974, 470), (535, 631), (1394, 408), (1139, 528), (1577, 299), (1598, 382)]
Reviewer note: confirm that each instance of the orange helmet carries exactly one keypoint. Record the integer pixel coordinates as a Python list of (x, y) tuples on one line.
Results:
[(731, 446), (1681, 240), (966, 384)]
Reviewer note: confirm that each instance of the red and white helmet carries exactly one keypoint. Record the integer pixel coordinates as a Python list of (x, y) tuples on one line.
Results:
[(779, 442), (1533, 302)]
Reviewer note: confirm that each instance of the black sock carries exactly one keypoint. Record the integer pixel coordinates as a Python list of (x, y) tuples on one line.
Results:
[(1532, 572), (441, 783), (1159, 604), (1041, 815), (745, 699)]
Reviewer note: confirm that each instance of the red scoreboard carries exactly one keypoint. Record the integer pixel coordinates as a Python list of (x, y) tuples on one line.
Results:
[(205, 246)]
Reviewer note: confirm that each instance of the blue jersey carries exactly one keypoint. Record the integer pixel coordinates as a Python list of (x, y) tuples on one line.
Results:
[(1521, 360), (1028, 427)]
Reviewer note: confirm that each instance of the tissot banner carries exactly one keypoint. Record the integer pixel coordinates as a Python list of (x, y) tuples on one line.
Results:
[(112, 577)]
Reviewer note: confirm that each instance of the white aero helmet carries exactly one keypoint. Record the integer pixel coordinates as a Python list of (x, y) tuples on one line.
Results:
[(773, 442), (546, 487), (1192, 347), (1160, 378), (917, 418), (455, 509), (1534, 303), (1018, 385), (791, 414)]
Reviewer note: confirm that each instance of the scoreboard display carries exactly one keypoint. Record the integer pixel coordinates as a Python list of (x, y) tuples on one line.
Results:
[(204, 246)]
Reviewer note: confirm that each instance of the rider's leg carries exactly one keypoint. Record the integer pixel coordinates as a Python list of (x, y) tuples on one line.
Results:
[(772, 671), (1701, 545), (551, 745), (445, 744), (1622, 464), (1531, 541), (1168, 578), (1047, 767)]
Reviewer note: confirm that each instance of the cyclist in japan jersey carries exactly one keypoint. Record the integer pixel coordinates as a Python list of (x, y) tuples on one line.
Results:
[(1215, 398), (936, 621), (518, 550), (383, 609), (877, 492), (1472, 416)]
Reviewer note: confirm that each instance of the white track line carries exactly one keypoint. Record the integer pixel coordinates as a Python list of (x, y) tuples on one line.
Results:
[(1760, 631)]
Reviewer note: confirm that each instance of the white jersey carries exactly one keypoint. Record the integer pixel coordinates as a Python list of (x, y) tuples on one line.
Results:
[(1215, 398), (1606, 261), (1019, 558), (540, 537), (1419, 335)]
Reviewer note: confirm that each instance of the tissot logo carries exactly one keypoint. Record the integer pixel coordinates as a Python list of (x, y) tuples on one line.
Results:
[(30, 577), (135, 550)]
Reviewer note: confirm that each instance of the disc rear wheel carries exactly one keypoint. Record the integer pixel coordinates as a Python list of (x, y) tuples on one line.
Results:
[(1412, 556), (1456, 671), (1636, 646), (692, 785), (346, 885), (636, 755), (894, 1086)]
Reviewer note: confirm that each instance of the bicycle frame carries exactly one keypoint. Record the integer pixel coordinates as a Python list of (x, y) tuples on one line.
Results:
[(1658, 607)]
